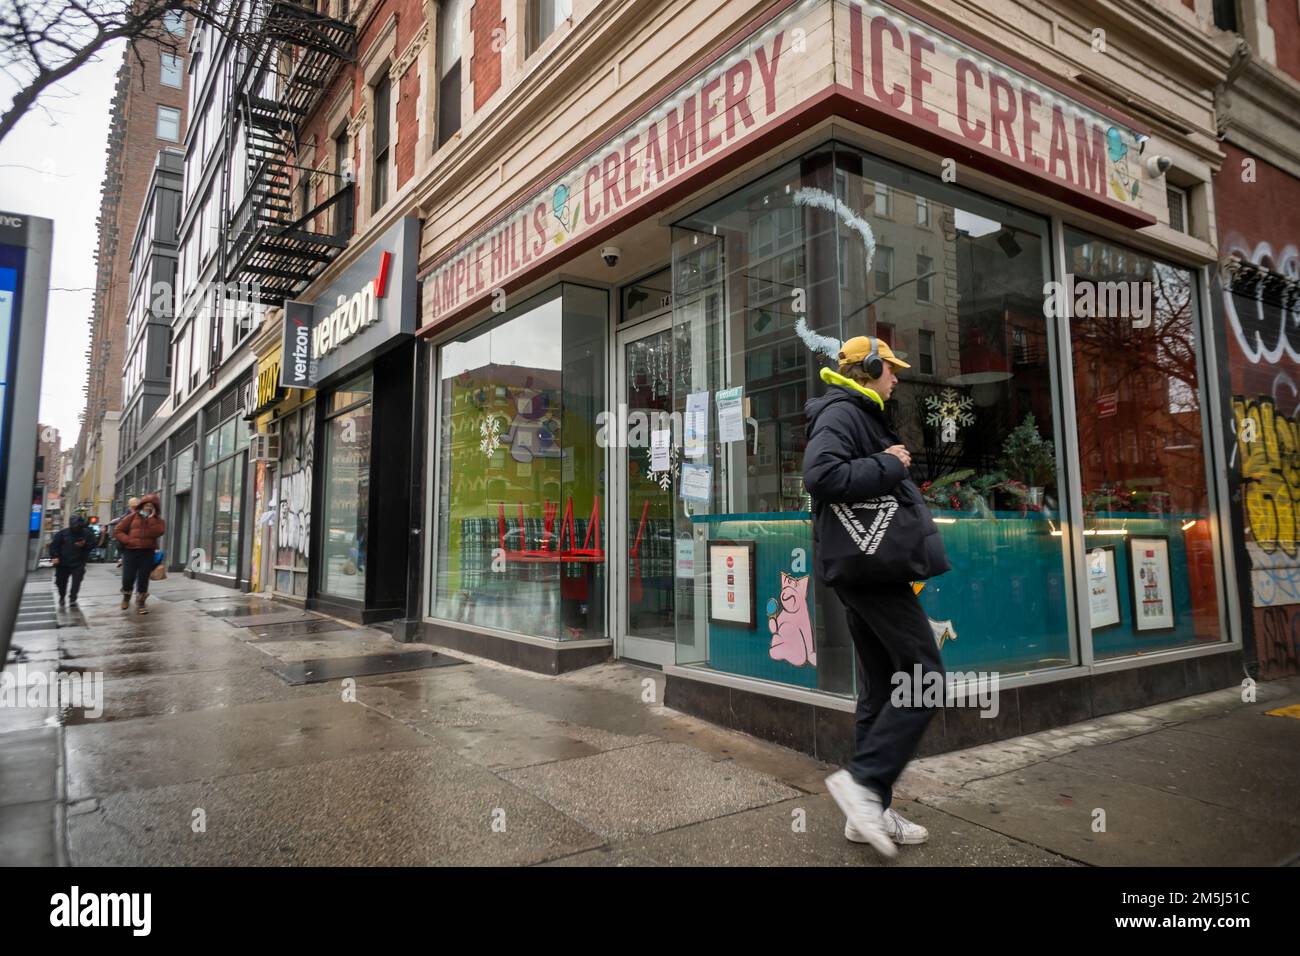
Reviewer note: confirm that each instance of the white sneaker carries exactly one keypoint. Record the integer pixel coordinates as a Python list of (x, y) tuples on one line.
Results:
[(899, 828), (864, 812)]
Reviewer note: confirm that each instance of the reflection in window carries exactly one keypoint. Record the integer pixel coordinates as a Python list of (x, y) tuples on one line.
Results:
[(344, 534), (544, 17), (975, 409), (522, 491), (1145, 479)]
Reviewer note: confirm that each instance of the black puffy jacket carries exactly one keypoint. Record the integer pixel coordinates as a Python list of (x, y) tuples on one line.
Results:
[(845, 462), (845, 459), (72, 545)]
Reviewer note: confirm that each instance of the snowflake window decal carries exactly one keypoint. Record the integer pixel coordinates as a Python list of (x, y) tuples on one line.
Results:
[(489, 431), (665, 478), (948, 406)]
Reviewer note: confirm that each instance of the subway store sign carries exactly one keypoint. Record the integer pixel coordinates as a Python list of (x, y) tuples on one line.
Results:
[(269, 390)]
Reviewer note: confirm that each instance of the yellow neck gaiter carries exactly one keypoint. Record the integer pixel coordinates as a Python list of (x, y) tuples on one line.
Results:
[(832, 377)]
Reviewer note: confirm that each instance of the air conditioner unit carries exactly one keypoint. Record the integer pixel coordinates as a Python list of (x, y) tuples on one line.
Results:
[(264, 447)]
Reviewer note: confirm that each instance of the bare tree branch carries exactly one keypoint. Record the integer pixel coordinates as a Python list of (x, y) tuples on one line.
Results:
[(42, 42)]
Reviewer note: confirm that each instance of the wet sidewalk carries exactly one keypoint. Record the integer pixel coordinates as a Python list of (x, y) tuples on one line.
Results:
[(211, 749)]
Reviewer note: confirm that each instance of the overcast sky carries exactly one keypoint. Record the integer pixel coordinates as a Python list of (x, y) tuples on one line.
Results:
[(52, 165)]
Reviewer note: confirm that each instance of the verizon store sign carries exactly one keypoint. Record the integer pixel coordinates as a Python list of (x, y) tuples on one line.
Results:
[(368, 307), (731, 100), (908, 68)]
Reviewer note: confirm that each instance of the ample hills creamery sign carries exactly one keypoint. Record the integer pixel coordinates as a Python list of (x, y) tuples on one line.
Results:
[(887, 64), (734, 98)]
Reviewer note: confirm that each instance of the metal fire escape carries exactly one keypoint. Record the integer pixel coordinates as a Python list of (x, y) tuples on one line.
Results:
[(268, 249)]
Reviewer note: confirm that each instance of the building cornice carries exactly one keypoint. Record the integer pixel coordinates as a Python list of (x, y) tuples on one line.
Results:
[(1257, 113)]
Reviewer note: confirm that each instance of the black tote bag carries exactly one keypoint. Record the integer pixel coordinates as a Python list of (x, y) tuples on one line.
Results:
[(881, 540)]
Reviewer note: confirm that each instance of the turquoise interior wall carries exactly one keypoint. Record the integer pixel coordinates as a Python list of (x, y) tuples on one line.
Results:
[(1005, 595)]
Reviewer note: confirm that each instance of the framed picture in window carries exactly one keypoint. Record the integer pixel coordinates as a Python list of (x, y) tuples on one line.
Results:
[(1103, 587), (733, 591), (1153, 592)]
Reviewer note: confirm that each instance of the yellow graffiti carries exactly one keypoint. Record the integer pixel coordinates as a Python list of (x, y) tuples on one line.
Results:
[(1270, 472)]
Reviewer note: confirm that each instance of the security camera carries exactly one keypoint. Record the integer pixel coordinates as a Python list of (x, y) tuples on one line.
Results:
[(610, 254), (1158, 165)]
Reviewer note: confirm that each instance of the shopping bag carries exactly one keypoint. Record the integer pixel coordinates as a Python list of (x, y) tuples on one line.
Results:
[(887, 539)]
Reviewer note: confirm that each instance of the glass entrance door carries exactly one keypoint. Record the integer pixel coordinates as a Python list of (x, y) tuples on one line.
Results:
[(644, 517)]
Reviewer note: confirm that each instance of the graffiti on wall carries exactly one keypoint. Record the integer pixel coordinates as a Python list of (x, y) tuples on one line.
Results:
[(1262, 307), (1265, 322), (1268, 456), (295, 510), (1277, 642)]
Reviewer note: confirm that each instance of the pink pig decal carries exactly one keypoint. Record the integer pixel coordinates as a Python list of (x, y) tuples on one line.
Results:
[(791, 627)]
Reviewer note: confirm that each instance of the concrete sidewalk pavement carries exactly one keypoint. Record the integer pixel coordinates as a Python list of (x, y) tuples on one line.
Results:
[(203, 755)]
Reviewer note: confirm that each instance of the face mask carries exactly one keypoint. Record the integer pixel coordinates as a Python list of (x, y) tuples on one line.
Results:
[(147, 512)]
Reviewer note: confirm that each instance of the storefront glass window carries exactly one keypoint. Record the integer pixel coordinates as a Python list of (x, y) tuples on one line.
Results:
[(347, 491), (223, 489), (815, 244), (521, 533), (1148, 542)]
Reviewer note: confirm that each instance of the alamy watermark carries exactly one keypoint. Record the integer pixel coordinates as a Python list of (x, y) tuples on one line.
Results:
[(927, 688), (1099, 300), (635, 428), (24, 687)]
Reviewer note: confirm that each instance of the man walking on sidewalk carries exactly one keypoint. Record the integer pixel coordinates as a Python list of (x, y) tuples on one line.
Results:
[(138, 534), (870, 551), (69, 551)]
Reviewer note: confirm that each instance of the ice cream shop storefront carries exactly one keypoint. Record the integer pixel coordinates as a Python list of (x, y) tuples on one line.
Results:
[(624, 349)]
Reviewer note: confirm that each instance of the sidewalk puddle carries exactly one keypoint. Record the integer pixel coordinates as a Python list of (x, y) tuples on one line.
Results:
[(366, 665)]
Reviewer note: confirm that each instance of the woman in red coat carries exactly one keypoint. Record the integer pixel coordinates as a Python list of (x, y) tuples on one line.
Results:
[(138, 534)]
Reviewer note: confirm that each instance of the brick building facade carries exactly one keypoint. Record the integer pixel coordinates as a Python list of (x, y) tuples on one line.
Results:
[(148, 114)]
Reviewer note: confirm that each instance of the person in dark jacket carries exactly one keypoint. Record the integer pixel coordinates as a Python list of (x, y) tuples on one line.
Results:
[(69, 551), (852, 456), (138, 534)]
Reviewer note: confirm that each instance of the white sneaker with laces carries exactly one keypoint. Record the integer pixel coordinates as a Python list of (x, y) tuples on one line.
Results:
[(899, 828), (864, 811)]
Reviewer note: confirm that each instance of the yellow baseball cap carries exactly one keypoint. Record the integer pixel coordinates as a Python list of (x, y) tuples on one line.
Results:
[(859, 347)]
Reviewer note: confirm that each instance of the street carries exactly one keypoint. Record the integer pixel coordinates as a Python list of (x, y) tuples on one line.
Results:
[(205, 753)]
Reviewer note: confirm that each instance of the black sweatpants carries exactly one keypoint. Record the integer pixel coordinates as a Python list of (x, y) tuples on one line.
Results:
[(62, 572), (891, 634), (137, 563)]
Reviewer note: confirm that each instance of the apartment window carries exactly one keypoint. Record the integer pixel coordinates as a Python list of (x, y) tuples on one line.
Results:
[(174, 23), (343, 168), (169, 124), (171, 70), (342, 159), (1020, 346), (925, 348), (924, 268), (884, 270), (1177, 200), (1225, 15), (449, 17), (884, 201), (922, 211), (544, 16), (885, 333), (379, 195)]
